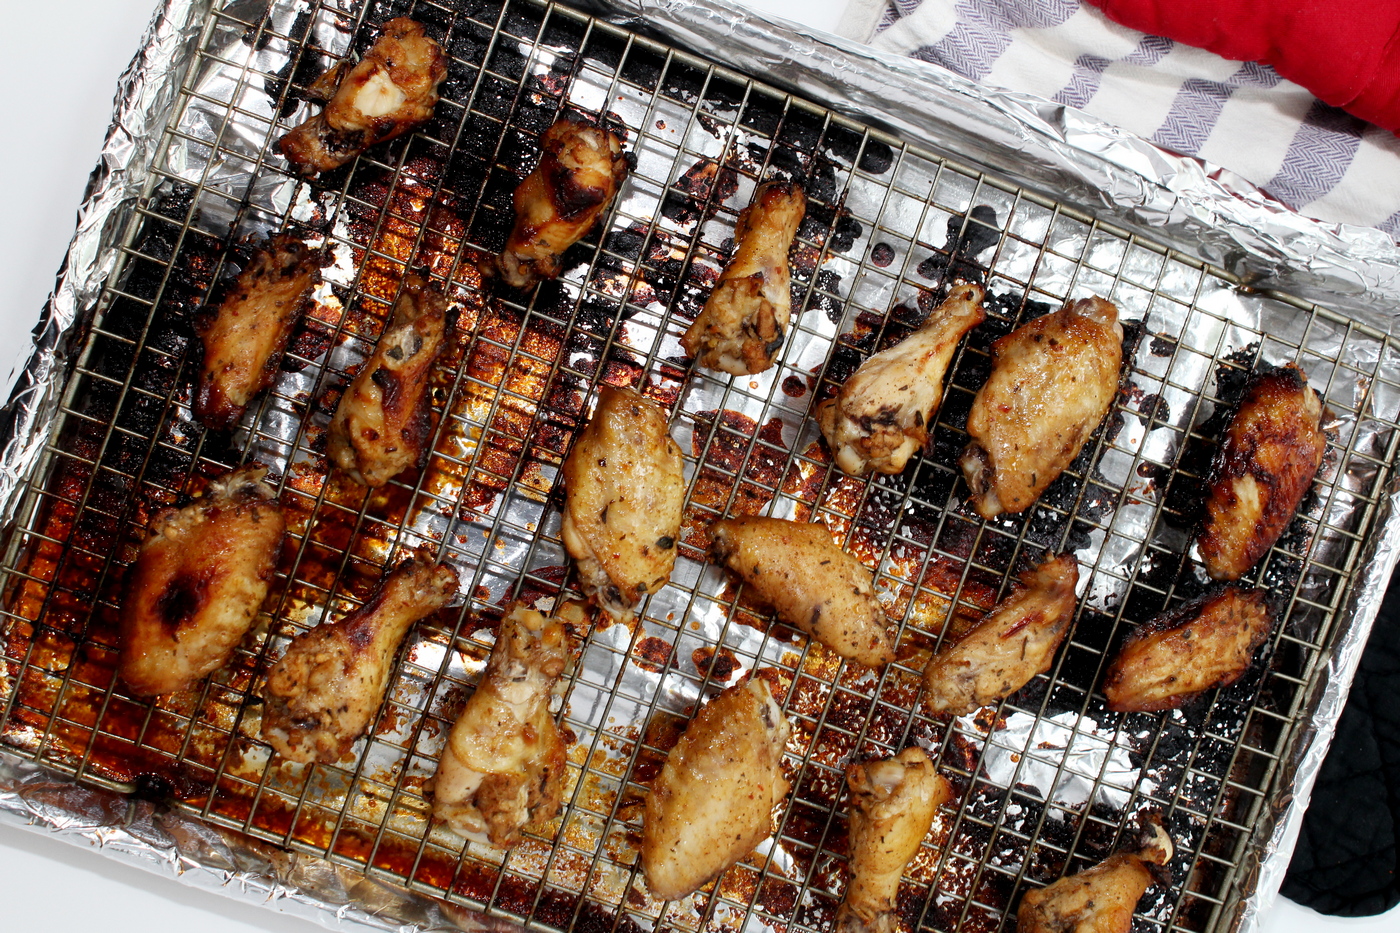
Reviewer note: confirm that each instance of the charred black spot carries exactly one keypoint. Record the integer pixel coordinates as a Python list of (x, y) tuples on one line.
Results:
[(665, 542), (180, 600)]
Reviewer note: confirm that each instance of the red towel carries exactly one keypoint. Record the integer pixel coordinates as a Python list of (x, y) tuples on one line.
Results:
[(1347, 52)]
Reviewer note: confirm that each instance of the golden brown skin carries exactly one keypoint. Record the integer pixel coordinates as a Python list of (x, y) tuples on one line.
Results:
[(625, 490), (713, 801), (1016, 641), (581, 169), (1272, 451), (1052, 382), (382, 424), (503, 768), (893, 803), (880, 417), (387, 93), (1206, 643), (324, 692), (244, 338), (742, 326), (813, 585), (198, 583), (1099, 899)]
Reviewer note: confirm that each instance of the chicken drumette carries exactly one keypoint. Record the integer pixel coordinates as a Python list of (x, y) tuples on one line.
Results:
[(625, 488), (388, 92), (198, 583), (742, 325), (323, 694)]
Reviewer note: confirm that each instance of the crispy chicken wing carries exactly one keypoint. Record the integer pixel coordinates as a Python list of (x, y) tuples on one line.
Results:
[(893, 802), (387, 93), (1209, 642), (1265, 466), (198, 583), (625, 490), (581, 169), (1052, 381), (244, 338), (811, 583), (324, 692), (1099, 899), (881, 415), (713, 801), (742, 325), (503, 768), (382, 424), (1016, 641)]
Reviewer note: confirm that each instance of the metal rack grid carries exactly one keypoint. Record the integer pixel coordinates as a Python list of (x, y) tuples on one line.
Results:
[(889, 225)]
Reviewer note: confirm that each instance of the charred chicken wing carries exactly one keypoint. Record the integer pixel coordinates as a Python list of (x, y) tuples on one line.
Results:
[(1271, 453), (1010, 646), (244, 338), (198, 582), (713, 801), (813, 585), (893, 802), (503, 768), (580, 171), (324, 692), (389, 92), (1209, 642), (1051, 384), (382, 424), (625, 491), (880, 417), (742, 325), (1099, 899)]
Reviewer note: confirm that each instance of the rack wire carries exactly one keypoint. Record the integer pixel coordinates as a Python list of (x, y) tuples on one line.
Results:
[(889, 227)]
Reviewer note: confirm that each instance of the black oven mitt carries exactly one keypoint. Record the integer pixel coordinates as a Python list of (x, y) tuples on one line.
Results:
[(1346, 859)]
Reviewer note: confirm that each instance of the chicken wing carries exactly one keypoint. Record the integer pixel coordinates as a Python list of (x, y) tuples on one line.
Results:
[(1051, 384), (881, 415), (581, 169), (382, 424), (1099, 899), (244, 339), (324, 692), (387, 93), (742, 325), (503, 768), (1016, 641), (713, 801), (625, 489), (893, 802), (198, 583), (813, 585), (1209, 642), (1272, 451)]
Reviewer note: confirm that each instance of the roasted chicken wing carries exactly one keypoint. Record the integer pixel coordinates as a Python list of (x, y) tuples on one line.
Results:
[(1016, 641), (713, 801), (1099, 899), (387, 93), (880, 417), (625, 491), (244, 338), (1265, 466), (1052, 382), (324, 692), (742, 325), (198, 583), (813, 585), (503, 768), (893, 802), (382, 424), (1209, 642), (581, 168)]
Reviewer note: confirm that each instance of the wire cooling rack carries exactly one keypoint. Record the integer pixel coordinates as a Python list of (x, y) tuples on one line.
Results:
[(1047, 782)]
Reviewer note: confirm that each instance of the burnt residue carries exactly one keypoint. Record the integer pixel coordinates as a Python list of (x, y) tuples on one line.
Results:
[(969, 235)]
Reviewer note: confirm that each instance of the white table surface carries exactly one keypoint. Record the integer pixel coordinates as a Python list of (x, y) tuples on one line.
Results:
[(57, 122)]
